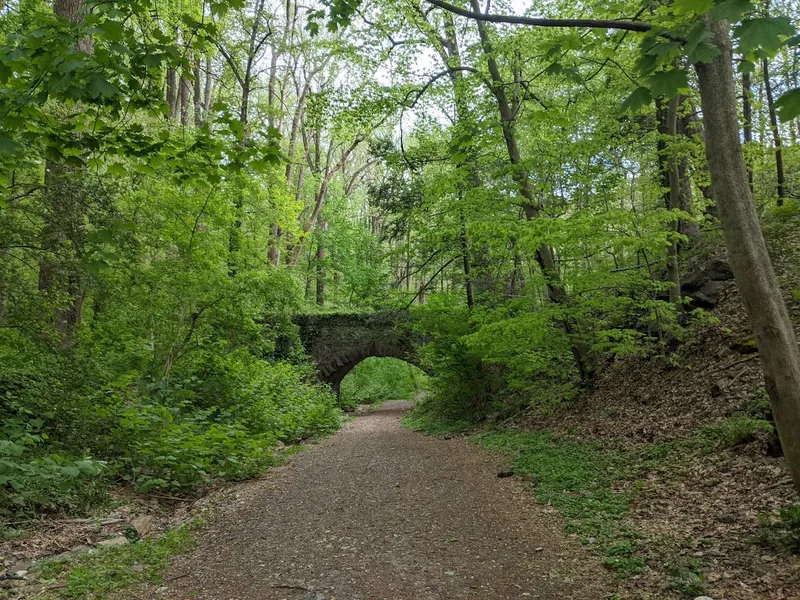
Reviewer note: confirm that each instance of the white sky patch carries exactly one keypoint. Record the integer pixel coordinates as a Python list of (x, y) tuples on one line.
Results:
[(427, 63)]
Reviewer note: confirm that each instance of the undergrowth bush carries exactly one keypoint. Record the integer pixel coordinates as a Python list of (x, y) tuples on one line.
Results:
[(736, 430), (33, 478), (70, 430)]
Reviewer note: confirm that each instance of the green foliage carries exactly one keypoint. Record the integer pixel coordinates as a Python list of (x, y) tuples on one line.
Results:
[(788, 105), (686, 577), (376, 380), (160, 453), (427, 418), (736, 430), (31, 479), (781, 531)]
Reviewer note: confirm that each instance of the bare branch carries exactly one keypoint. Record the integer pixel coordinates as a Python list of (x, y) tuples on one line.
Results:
[(539, 22)]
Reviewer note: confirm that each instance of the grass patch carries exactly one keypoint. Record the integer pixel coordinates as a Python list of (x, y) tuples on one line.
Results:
[(735, 431), (431, 424), (107, 570), (781, 531)]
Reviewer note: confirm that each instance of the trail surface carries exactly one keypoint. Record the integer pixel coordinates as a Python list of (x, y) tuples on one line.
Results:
[(377, 512)]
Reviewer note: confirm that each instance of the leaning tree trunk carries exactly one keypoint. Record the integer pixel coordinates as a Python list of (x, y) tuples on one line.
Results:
[(747, 250)]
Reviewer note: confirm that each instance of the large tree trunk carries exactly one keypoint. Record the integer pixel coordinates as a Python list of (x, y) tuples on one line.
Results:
[(747, 250), (776, 134)]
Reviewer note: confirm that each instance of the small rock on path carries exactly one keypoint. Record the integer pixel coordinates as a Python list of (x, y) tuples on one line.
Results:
[(378, 512)]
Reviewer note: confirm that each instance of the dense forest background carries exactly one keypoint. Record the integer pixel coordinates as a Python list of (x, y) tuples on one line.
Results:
[(181, 177)]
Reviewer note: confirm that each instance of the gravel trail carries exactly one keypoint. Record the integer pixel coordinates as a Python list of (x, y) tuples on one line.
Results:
[(377, 512)]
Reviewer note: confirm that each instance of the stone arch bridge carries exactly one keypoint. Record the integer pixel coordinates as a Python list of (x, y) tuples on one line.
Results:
[(338, 342)]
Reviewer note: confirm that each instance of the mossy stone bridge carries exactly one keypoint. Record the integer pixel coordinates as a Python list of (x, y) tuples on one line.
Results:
[(338, 342)]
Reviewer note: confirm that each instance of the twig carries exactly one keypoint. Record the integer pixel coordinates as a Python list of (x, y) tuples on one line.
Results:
[(733, 364), (175, 498), (772, 486), (90, 521), (291, 587), (732, 381)]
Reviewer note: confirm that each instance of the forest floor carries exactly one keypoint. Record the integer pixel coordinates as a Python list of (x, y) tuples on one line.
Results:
[(379, 512)]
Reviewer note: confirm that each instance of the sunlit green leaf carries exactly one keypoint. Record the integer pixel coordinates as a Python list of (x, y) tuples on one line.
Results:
[(788, 105), (640, 98)]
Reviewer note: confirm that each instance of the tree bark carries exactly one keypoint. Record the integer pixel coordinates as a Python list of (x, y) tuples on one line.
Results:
[(74, 11), (776, 134), (198, 94), (747, 250), (60, 271), (185, 93), (274, 252), (207, 92), (452, 59), (172, 93), (467, 266), (747, 117), (672, 181), (322, 273)]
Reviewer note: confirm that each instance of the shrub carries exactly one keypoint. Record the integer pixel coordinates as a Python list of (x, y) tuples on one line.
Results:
[(736, 431), (781, 532), (31, 479), (166, 450)]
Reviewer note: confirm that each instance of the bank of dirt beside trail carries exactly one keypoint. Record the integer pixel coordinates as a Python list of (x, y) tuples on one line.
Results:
[(377, 512)]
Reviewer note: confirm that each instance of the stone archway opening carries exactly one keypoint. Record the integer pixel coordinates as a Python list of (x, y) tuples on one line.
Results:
[(379, 379)]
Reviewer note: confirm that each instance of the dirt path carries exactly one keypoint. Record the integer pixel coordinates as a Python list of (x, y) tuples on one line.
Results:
[(377, 512)]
